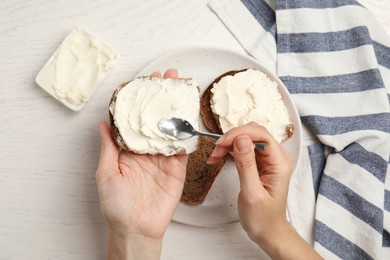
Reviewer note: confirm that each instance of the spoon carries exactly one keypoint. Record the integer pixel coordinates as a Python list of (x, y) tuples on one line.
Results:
[(181, 129)]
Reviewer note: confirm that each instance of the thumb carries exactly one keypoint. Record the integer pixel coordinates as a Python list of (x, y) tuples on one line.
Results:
[(109, 151), (244, 157)]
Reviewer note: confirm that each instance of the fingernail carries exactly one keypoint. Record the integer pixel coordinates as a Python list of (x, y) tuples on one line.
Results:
[(220, 140), (211, 160), (215, 151), (243, 144)]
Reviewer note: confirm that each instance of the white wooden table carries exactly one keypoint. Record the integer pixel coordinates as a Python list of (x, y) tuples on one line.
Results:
[(49, 207)]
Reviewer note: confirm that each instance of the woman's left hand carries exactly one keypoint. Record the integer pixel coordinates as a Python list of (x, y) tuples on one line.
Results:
[(138, 193)]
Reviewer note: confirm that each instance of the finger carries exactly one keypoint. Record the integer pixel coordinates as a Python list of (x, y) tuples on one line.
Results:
[(181, 174), (256, 132), (109, 152), (171, 73), (156, 74), (244, 157), (183, 158), (218, 153)]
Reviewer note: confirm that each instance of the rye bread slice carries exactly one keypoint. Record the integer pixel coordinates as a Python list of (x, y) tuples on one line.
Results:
[(115, 133), (211, 120), (200, 176)]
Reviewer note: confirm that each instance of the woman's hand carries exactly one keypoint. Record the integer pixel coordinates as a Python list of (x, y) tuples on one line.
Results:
[(264, 178), (264, 181), (138, 195)]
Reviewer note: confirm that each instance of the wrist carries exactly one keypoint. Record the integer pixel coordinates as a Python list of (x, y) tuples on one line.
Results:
[(286, 243), (271, 239), (127, 246)]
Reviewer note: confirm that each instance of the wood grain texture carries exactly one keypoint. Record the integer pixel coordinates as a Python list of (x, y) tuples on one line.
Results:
[(49, 205)]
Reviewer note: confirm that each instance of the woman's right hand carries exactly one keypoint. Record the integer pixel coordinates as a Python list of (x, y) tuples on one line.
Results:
[(264, 180)]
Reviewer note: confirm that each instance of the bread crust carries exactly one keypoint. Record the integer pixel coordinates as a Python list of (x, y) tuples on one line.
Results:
[(116, 136), (211, 120)]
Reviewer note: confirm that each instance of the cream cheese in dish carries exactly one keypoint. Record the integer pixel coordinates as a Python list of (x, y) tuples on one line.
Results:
[(143, 102), (248, 96), (76, 69)]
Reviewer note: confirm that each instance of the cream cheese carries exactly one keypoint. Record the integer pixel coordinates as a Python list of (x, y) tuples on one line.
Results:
[(143, 102), (250, 96), (76, 69)]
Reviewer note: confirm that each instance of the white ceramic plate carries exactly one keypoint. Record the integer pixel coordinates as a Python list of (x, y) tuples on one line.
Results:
[(204, 65)]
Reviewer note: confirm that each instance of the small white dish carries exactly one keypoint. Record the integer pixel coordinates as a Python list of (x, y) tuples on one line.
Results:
[(204, 65), (76, 69)]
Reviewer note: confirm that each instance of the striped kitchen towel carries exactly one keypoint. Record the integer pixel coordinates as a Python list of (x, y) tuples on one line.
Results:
[(334, 58)]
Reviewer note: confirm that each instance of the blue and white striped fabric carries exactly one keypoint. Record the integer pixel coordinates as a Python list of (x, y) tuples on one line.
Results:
[(334, 58)]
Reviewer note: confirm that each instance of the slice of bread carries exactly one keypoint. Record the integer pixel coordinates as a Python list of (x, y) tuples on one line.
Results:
[(212, 120), (200, 176), (137, 106)]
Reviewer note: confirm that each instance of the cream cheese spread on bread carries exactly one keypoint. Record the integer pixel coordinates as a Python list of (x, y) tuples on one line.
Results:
[(248, 96), (77, 68), (143, 102)]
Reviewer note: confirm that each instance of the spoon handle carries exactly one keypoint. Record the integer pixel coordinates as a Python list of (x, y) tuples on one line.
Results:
[(259, 145), (256, 145), (213, 136)]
